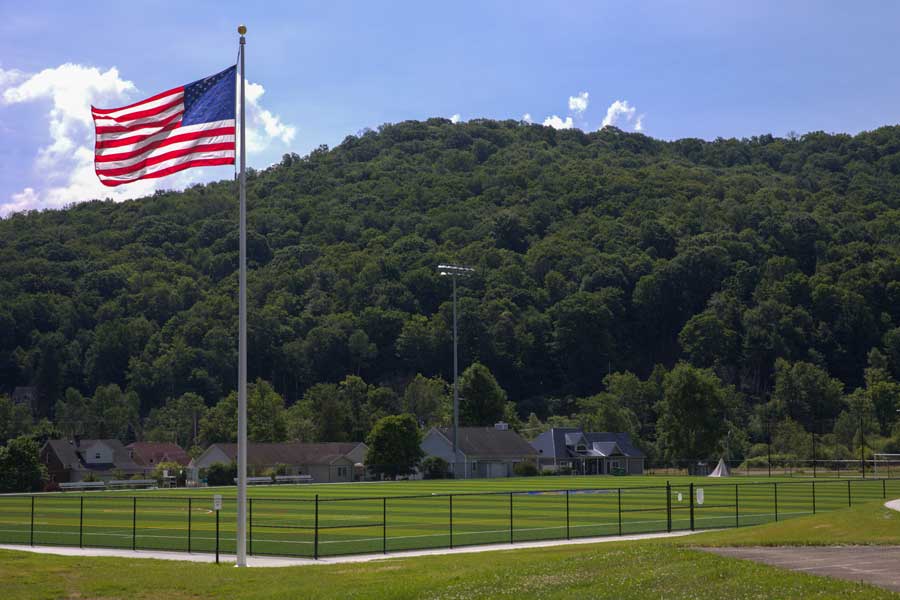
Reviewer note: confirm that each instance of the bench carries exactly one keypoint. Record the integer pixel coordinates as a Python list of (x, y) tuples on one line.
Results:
[(82, 485), (126, 483), (293, 479), (256, 480)]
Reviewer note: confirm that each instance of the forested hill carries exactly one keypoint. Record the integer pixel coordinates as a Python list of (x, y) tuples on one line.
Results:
[(594, 253)]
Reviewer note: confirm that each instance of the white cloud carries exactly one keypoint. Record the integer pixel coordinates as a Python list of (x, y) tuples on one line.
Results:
[(263, 127), (455, 118), (578, 104), (639, 124), (618, 110), (558, 123), (10, 77), (527, 118), (64, 167)]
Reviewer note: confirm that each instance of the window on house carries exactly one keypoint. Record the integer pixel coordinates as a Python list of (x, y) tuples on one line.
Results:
[(97, 455), (342, 471)]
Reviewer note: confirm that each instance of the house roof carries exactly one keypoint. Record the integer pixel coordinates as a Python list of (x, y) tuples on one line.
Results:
[(291, 453), (554, 443), (153, 453), (70, 454), (489, 441)]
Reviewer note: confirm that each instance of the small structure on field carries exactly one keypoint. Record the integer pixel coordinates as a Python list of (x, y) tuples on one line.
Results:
[(721, 469)]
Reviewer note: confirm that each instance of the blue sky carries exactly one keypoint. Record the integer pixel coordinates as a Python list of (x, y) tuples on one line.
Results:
[(329, 69)]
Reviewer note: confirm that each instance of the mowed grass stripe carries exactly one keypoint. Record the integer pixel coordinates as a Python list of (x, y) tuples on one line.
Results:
[(352, 519)]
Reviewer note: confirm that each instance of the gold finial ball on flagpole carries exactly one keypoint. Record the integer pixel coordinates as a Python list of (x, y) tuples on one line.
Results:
[(242, 29)]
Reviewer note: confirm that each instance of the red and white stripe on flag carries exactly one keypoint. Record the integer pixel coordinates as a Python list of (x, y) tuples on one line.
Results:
[(150, 139)]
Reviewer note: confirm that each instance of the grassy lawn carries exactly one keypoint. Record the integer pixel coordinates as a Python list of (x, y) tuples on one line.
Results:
[(358, 518), (613, 570), (865, 524)]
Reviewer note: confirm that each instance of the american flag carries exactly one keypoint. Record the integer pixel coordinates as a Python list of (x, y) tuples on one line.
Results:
[(188, 126)]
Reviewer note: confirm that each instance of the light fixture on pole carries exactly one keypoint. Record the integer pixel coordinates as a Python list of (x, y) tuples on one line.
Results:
[(454, 271)]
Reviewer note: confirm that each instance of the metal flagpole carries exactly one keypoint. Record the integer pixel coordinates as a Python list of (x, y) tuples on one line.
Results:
[(241, 540)]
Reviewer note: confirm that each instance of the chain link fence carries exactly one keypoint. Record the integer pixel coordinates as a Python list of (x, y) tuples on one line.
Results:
[(318, 527)]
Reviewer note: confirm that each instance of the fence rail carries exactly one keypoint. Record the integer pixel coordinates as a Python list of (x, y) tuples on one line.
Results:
[(317, 527)]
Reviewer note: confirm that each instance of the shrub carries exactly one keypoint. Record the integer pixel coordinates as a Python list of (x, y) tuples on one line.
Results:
[(525, 469), (221, 474), (434, 467)]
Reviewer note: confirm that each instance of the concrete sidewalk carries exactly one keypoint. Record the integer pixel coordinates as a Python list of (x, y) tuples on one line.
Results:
[(284, 561)]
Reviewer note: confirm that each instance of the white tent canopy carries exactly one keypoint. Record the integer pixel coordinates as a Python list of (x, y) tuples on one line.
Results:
[(721, 470)]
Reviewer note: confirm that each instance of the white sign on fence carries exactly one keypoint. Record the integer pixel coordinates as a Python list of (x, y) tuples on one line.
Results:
[(699, 495), (217, 502)]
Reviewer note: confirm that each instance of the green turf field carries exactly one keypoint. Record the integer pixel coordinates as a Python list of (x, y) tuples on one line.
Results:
[(393, 516), (667, 569)]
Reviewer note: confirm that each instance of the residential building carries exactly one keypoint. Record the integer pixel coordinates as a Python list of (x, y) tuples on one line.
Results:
[(72, 460), (588, 453), (150, 454), (483, 452), (325, 462)]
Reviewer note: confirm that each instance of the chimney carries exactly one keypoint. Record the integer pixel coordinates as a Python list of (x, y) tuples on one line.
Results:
[(501, 426), (77, 440)]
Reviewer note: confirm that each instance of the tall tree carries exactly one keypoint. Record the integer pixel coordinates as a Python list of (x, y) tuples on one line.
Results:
[(395, 446)]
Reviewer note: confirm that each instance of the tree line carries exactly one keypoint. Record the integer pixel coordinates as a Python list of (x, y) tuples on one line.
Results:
[(611, 271)]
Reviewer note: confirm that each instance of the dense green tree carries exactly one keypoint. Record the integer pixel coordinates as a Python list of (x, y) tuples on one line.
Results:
[(482, 400), (395, 446), (15, 419), (806, 394), (20, 466), (428, 400), (692, 413), (177, 421)]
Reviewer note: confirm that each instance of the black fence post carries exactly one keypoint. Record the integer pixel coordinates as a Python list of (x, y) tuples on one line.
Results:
[(775, 486), (849, 496), (814, 496), (81, 522), (737, 512), (568, 535), (316, 534), (384, 525), (668, 507), (884, 489), (250, 533), (189, 525), (134, 523), (217, 536), (620, 511), (691, 492), (510, 518), (451, 521), (32, 520)]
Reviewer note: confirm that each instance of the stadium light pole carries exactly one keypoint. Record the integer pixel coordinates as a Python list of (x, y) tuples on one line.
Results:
[(455, 271)]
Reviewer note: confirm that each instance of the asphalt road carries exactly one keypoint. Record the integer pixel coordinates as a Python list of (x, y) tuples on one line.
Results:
[(876, 565)]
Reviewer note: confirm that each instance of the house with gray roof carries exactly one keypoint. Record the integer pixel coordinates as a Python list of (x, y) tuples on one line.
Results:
[(72, 460), (588, 453), (483, 452), (325, 462)]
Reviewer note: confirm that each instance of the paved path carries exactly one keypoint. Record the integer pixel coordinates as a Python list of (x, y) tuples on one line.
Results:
[(279, 561), (877, 565)]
